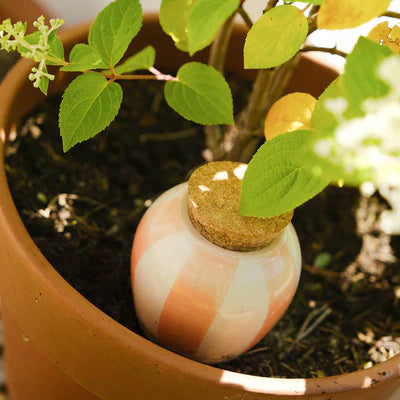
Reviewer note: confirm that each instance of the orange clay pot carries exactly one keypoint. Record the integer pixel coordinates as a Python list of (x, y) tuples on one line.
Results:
[(60, 347)]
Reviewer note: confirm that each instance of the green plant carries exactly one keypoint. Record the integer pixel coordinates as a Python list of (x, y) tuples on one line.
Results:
[(343, 141)]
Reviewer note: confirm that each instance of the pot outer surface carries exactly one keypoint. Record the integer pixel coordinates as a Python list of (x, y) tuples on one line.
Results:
[(59, 346)]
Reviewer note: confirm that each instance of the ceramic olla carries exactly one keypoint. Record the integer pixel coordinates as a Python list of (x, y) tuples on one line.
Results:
[(201, 300)]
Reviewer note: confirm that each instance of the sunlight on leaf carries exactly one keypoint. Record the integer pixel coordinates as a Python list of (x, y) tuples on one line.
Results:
[(205, 19), (389, 37), (290, 113), (174, 20), (342, 14), (275, 37), (276, 180)]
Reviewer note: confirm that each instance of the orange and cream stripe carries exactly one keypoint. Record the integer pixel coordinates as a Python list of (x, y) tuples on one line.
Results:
[(200, 300)]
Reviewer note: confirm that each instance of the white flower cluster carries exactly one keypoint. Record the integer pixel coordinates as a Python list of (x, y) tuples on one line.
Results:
[(371, 143), (12, 37)]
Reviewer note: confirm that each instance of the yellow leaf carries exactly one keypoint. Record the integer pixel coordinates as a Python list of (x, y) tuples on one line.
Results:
[(290, 113), (342, 14), (388, 37), (395, 34)]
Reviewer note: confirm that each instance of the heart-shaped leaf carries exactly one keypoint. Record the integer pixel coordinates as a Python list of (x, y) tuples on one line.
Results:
[(200, 94), (89, 105), (275, 37)]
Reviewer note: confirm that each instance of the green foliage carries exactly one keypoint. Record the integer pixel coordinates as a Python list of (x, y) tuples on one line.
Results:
[(193, 24), (114, 28), (84, 57), (205, 19), (276, 179), (355, 121), (275, 37), (200, 94), (360, 80), (55, 49), (322, 119), (350, 107), (322, 260), (140, 61), (174, 16), (89, 105), (42, 46), (44, 81)]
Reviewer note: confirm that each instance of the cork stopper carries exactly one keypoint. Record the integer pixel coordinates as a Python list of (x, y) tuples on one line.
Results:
[(214, 196)]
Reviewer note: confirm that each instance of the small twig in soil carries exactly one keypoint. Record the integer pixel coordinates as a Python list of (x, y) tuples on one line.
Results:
[(288, 368), (307, 327), (340, 360), (322, 272), (334, 332), (168, 136), (258, 350)]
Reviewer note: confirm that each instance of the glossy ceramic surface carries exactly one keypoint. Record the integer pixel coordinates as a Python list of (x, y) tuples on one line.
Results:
[(203, 301)]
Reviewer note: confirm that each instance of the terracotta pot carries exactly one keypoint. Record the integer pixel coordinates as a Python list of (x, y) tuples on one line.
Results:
[(59, 346)]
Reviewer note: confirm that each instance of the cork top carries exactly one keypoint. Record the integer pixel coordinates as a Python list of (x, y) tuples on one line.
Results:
[(214, 196)]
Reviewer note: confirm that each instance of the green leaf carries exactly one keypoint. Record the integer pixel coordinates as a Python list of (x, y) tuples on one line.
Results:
[(142, 60), (276, 180), (351, 121), (323, 119), (56, 48), (174, 20), (360, 81), (275, 38), (114, 28), (84, 57), (89, 105), (44, 83), (200, 94), (205, 19), (322, 260)]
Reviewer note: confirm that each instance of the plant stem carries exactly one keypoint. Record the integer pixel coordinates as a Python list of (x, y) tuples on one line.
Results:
[(271, 4), (249, 124), (132, 77), (306, 8), (215, 133), (220, 45), (157, 76), (332, 50), (268, 87), (391, 14), (245, 16)]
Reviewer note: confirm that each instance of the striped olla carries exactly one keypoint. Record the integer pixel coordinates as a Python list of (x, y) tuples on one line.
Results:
[(200, 300)]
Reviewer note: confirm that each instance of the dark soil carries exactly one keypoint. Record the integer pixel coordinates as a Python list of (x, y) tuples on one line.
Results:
[(82, 209)]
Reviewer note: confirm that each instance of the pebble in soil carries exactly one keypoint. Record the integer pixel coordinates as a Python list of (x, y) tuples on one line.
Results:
[(82, 208)]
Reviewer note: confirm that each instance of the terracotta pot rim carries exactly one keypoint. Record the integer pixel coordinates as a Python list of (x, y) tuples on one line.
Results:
[(36, 261)]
